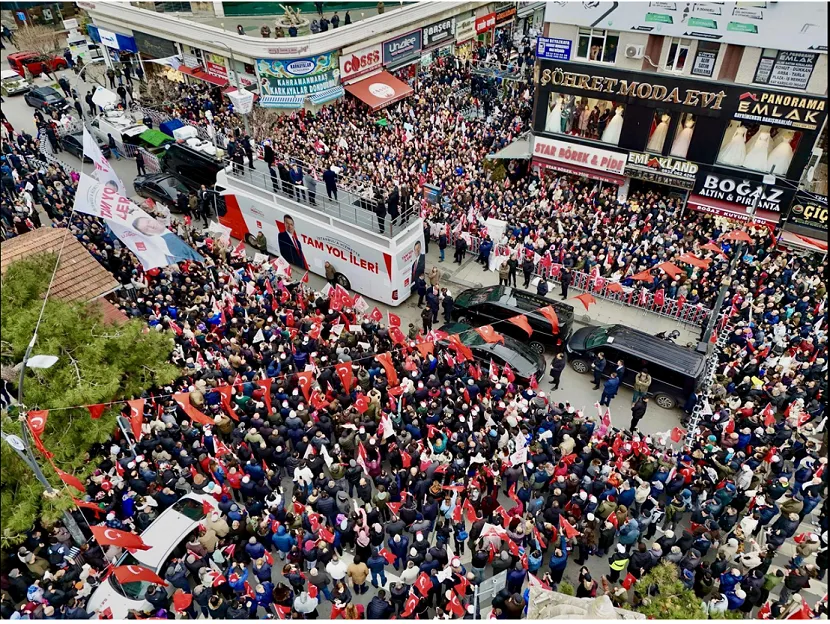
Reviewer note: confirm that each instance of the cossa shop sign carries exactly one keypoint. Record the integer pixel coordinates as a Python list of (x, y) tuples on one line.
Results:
[(360, 62)]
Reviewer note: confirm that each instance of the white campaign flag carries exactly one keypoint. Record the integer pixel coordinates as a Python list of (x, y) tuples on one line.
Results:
[(152, 243), (103, 171)]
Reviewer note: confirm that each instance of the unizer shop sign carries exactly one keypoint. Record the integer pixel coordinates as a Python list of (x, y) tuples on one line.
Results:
[(402, 48)]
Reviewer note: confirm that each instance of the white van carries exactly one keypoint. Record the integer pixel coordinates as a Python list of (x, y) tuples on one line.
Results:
[(119, 124), (167, 537), (345, 233)]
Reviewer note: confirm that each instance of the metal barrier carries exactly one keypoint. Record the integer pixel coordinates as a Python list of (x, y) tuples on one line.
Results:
[(356, 209), (151, 161)]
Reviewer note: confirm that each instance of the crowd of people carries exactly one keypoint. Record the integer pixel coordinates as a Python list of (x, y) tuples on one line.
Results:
[(333, 450)]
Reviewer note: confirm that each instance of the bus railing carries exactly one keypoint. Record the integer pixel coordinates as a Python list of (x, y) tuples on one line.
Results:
[(349, 207)]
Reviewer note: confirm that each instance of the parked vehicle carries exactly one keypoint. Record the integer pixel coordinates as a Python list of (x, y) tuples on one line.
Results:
[(167, 537), (193, 166), (45, 97), (485, 306), (74, 144), (13, 83), (674, 370), (35, 63), (160, 187), (524, 361)]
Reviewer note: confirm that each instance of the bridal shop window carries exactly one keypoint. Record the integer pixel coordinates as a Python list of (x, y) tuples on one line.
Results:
[(659, 130), (683, 136), (678, 53), (589, 118), (758, 147), (597, 45)]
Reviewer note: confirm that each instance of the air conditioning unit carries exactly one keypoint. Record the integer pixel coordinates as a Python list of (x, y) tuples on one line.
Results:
[(634, 51)]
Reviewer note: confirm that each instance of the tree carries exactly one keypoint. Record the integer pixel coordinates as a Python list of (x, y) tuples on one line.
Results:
[(44, 40), (98, 363), (665, 597)]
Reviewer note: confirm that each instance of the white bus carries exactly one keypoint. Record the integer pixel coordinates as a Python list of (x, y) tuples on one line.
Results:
[(345, 233)]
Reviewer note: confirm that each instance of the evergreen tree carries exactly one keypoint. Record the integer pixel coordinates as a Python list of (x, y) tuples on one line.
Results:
[(665, 597)]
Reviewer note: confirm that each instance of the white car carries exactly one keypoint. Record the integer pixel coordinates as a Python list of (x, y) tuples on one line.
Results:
[(167, 537)]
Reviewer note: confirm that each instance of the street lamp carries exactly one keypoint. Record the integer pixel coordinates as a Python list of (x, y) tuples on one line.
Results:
[(236, 80), (23, 445)]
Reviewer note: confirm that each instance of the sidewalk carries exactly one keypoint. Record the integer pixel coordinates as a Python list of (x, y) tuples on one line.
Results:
[(472, 275)]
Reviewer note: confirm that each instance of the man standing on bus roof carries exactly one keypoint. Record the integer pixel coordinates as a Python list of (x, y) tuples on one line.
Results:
[(290, 247)]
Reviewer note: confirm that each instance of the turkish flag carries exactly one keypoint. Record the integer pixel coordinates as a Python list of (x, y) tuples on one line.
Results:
[(314, 520), (361, 403), (423, 584), (549, 313), (410, 605), (769, 415), (265, 384), (282, 611), (612, 518), (538, 535), (469, 510), (615, 287), (660, 298), (455, 606), (730, 426), (183, 399), (344, 372), (456, 513), (508, 372), (386, 360), (462, 585), (70, 480), (225, 392), (207, 508), (394, 320), (396, 335), (425, 348), (567, 527), (314, 332), (137, 416), (96, 411), (511, 493), (327, 535), (91, 506), (312, 590), (394, 507), (304, 381), (521, 321), (533, 383), (406, 459), (586, 299), (175, 327), (37, 421), (489, 334), (677, 434), (629, 580), (136, 574), (181, 600), (124, 539), (376, 315), (390, 558), (460, 348), (765, 612)]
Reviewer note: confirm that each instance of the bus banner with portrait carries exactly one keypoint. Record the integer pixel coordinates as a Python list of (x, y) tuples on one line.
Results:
[(152, 243)]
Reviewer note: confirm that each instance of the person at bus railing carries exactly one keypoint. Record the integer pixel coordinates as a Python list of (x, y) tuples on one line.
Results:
[(310, 182), (380, 210)]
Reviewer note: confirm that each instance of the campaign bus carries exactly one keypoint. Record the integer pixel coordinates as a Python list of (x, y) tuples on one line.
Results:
[(307, 234)]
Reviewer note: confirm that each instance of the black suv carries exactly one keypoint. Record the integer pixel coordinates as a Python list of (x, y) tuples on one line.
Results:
[(191, 166), (674, 370), (485, 306)]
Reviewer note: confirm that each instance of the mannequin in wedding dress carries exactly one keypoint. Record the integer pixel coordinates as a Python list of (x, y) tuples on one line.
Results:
[(614, 128), (757, 158), (735, 151), (554, 121), (658, 137), (681, 142), (782, 153)]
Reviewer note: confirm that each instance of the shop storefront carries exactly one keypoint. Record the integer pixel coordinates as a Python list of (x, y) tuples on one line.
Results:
[(709, 123), (530, 18), (295, 83), (402, 54), (588, 162), (360, 63), (673, 176), (741, 198), (465, 34), (438, 40), (505, 21), (152, 48), (484, 28), (120, 48), (806, 224)]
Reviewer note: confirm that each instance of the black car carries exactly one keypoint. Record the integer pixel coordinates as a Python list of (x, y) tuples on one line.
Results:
[(525, 362), (674, 370), (161, 187), (43, 97), (74, 144), (485, 306), (192, 167)]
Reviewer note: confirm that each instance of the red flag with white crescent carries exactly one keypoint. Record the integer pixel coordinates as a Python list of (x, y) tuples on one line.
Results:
[(136, 417), (136, 574), (106, 536), (37, 421)]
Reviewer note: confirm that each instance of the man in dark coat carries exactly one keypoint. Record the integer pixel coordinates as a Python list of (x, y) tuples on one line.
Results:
[(638, 410)]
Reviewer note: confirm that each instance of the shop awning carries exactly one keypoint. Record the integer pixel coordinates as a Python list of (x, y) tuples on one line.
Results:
[(380, 90), (281, 101), (327, 95), (201, 74), (155, 137), (520, 148), (591, 174), (730, 210), (809, 243)]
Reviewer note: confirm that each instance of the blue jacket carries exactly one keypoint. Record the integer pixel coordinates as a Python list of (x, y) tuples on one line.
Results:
[(559, 563), (282, 540), (376, 563), (728, 582), (255, 550), (629, 533), (612, 385), (399, 549), (239, 585)]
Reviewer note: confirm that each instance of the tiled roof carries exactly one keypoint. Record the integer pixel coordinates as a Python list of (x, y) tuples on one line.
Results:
[(112, 315), (79, 278)]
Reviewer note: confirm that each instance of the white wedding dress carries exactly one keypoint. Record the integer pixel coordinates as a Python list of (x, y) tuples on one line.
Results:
[(758, 157), (680, 147), (554, 121), (658, 137), (614, 128), (782, 154), (735, 152)]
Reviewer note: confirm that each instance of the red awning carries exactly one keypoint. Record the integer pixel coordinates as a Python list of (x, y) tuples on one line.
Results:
[(592, 174), (201, 74), (379, 90), (804, 242), (730, 210)]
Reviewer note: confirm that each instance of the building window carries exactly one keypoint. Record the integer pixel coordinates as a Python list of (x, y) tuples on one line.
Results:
[(659, 131), (791, 70), (706, 57), (589, 118), (758, 147), (173, 7), (678, 53), (597, 45)]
